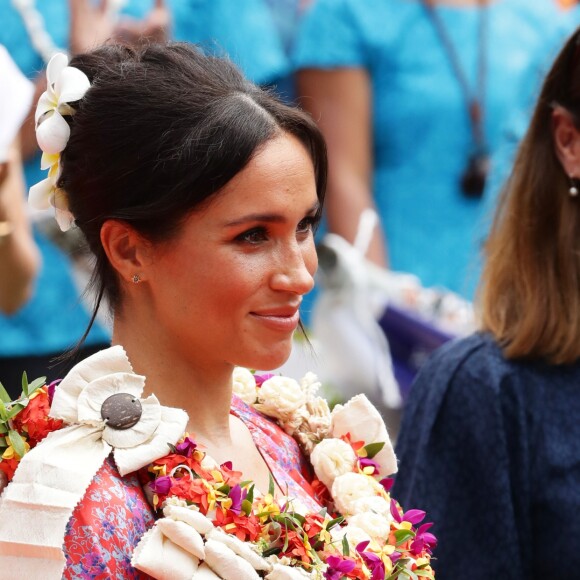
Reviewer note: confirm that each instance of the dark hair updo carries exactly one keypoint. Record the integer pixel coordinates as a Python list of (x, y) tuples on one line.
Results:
[(161, 130)]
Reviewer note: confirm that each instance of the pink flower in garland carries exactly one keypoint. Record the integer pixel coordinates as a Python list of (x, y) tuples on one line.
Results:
[(372, 561), (369, 466), (186, 447), (237, 496), (338, 567), (263, 378), (161, 485), (412, 516), (423, 539)]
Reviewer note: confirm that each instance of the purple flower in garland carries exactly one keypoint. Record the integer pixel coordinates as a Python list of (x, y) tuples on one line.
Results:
[(366, 462), (412, 516), (186, 447), (372, 561), (387, 483), (237, 496), (262, 378), (423, 539), (51, 388), (161, 485), (338, 567)]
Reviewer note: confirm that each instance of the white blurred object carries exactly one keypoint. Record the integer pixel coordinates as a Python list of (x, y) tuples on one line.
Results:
[(345, 319), (16, 93)]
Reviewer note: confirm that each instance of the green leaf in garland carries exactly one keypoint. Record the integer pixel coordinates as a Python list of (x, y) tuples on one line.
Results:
[(271, 487), (250, 496), (403, 535), (246, 507), (15, 410), (373, 448), (345, 546), (36, 384), (271, 552), (17, 442), (25, 384), (3, 412), (225, 489), (4, 396), (334, 522)]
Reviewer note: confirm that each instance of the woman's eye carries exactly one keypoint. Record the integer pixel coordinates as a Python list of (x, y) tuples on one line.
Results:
[(307, 224), (253, 236)]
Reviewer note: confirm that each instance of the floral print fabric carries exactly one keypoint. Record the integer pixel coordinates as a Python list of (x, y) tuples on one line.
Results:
[(113, 515)]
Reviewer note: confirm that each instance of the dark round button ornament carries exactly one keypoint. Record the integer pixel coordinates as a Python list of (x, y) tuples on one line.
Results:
[(121, 411)]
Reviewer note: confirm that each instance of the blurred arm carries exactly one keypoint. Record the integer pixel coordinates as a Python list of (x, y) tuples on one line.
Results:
[(19, 256), (340, 100)]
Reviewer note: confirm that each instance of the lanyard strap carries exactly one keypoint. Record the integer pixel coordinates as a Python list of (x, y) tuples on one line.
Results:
[(473, 99)]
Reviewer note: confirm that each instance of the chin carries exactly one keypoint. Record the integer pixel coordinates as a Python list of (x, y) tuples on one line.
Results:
[(270, 359)]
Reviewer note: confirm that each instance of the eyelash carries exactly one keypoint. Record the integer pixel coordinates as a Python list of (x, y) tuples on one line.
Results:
[(260, 234)]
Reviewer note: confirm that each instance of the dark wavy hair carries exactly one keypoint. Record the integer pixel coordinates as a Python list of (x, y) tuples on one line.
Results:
[(163, 129)]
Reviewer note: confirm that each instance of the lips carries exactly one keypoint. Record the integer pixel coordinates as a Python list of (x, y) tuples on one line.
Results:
[(284, 318)]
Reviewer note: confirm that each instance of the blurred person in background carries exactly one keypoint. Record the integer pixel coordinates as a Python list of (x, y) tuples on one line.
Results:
[(19, 257), (55, 317), (245, 31), (411, 96), (490, 440)]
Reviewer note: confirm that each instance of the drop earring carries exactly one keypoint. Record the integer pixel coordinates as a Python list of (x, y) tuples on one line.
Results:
[(136, 279), (574, 186)]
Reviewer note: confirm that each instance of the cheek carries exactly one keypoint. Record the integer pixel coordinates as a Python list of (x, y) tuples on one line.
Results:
[(310, 257)]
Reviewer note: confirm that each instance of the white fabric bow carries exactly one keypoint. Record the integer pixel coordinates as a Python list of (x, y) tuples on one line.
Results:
[(52, 478)]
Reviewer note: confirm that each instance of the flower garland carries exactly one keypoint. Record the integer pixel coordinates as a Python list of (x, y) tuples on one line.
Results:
[(24, 422), (361, 533), (219, 526)]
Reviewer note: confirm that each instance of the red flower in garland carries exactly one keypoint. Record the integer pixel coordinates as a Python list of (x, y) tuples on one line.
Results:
[(34, 419)]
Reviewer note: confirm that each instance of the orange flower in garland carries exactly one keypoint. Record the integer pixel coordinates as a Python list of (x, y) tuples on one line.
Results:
[(244, 527)]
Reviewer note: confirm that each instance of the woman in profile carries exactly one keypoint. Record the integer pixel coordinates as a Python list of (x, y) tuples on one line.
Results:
[(496, 457)]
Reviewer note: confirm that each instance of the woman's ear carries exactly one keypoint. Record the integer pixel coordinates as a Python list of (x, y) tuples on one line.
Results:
[(566, 141), (128, 252)]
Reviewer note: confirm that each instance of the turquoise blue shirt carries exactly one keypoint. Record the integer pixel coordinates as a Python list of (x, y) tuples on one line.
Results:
[(244, 30), (421, 130)]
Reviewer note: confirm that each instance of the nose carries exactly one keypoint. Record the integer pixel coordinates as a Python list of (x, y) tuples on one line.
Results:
[(295, 269)]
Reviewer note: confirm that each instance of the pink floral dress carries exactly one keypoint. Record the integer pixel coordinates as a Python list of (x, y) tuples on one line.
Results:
[(114, 514)]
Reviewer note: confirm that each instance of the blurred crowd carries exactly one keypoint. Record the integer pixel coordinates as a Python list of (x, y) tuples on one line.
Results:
[(421, 102)]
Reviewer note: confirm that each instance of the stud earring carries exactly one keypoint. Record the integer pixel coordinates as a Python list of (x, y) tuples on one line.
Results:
[(136, 279), (574, 186)]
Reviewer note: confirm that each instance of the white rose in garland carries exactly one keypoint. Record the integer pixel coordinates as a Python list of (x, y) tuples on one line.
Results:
[(244, 385), (376, 526), (280, 397), (350, 487), (331, 458), (378, 505)]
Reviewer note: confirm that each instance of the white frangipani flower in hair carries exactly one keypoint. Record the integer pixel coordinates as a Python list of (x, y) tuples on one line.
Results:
[(65, 84)]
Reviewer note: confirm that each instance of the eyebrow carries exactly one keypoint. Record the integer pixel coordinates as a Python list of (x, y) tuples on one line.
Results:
[(267, 217)]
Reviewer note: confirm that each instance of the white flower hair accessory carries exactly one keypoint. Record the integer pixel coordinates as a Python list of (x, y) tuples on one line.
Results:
[(65, 84)]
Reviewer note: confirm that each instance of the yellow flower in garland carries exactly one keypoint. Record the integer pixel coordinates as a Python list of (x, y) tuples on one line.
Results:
[(267, 508), (10, 452)]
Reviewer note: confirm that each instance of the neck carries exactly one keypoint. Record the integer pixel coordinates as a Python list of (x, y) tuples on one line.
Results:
[(176, 380)]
